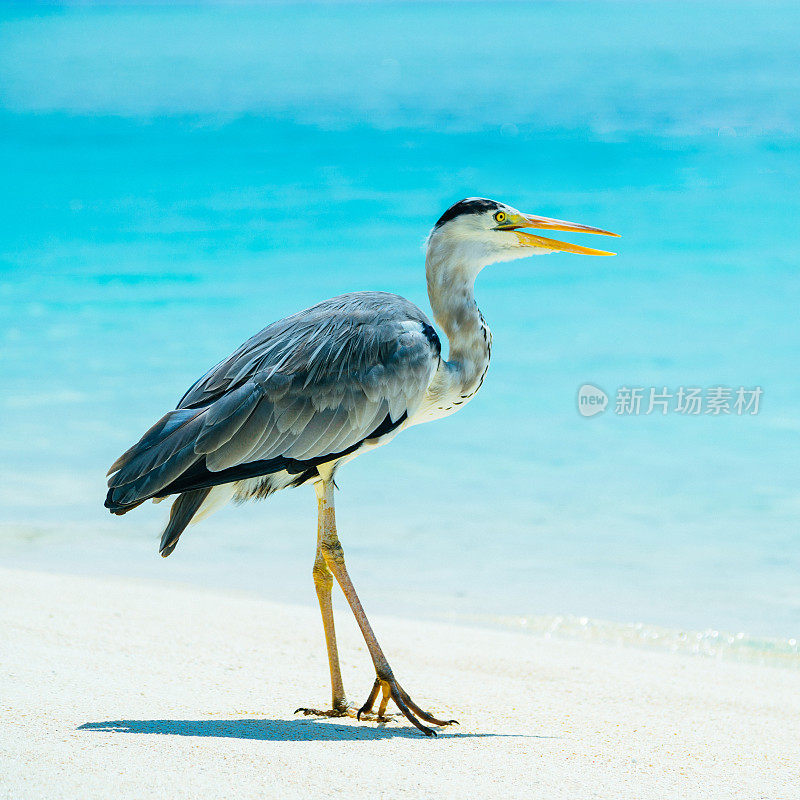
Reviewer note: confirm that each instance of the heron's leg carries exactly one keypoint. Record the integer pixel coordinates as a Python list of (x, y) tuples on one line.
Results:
[(323, 583), (333, 554)]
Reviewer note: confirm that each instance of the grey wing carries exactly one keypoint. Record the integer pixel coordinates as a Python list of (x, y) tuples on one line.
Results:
[(311, 386)]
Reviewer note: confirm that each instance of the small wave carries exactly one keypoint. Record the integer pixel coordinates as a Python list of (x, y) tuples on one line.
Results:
[(708, 643)]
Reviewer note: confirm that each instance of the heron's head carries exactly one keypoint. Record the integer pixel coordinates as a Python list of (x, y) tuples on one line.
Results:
[(477, 232)]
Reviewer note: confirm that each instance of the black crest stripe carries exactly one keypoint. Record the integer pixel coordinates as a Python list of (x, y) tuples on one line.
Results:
[(472, 205)]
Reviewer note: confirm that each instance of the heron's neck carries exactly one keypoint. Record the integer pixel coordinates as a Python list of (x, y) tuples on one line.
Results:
[(452, 297)]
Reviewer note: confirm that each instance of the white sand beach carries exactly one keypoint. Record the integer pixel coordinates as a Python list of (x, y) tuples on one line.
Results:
[(129, 689)]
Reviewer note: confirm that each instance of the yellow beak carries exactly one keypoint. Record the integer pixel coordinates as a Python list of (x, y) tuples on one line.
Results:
[(531, 221)]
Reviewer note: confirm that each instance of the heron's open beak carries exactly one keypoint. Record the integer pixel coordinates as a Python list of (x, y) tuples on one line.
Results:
[(543, 242)]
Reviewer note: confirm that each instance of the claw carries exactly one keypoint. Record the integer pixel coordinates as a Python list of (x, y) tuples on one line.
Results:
[(384, 700), (316, 712), (367, 707), (347, 711), (401, 704), (424, 714), (392, 690)]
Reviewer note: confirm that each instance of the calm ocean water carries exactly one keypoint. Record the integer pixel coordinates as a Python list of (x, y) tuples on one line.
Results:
[(176, 178)]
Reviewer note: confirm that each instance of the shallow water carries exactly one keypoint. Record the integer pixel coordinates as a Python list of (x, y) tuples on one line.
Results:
[(175, 179)]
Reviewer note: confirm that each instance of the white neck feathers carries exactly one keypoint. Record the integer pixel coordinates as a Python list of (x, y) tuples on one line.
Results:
[(451, 269)]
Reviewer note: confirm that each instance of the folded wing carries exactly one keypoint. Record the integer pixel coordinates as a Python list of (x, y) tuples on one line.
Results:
[(314, 385)]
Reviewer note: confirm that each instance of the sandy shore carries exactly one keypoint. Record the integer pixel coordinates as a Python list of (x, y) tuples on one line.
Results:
[(126, 689)]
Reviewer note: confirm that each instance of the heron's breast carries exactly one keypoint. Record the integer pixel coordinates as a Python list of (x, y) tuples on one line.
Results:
[(450, 390)]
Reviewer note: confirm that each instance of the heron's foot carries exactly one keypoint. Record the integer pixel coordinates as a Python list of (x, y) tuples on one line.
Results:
[(346, 710), (392, 690)]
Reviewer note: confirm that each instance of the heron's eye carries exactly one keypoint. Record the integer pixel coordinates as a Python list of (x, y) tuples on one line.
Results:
[(500, 216)]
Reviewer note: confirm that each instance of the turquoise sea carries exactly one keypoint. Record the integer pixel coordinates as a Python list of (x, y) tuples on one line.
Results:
[(175, 178)]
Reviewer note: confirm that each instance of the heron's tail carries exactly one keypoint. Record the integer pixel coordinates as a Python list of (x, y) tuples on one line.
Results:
[(161, 455), (183, 509)]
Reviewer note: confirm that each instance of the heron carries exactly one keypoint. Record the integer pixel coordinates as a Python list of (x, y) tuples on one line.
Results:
[(318, 388)]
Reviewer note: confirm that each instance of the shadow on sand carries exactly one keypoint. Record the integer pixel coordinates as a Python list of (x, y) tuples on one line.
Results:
[(274, 730)]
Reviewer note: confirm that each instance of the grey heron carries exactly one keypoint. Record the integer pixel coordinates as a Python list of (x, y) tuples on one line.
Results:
[(317, 389)]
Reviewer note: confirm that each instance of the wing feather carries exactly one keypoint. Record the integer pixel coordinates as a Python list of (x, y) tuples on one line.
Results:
[(226, 417), (311, 385)]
